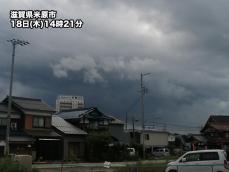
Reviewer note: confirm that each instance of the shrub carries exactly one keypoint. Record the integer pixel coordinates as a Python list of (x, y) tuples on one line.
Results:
[(97, 146), (7, 165)]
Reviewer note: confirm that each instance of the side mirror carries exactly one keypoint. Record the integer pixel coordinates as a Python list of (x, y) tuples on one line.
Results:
[(183, 160)]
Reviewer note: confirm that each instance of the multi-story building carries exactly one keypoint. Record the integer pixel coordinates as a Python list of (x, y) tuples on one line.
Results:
[(64, 102)]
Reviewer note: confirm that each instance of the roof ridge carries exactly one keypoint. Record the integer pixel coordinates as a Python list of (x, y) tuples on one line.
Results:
[(25, 98)]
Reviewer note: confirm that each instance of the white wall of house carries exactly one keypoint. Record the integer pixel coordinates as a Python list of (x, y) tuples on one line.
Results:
[(155, 138)]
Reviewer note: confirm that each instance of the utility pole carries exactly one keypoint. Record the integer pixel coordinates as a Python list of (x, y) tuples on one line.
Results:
[(14, 42), (128, 110), (133, 120), (133, 128), (143, 91)]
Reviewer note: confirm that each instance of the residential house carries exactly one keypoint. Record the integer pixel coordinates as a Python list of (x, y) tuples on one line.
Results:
[(31, 129), (91, 119), (198, 142), (152, 138), (116, 128), (19, 141), (73, 139), (216, 131)]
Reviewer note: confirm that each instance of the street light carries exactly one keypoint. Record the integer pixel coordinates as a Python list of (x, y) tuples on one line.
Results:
[(14, 42), (143, 91)]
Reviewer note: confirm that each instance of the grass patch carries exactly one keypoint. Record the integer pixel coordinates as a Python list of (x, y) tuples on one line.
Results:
[(149, 167), (8, 165), (170, 157)]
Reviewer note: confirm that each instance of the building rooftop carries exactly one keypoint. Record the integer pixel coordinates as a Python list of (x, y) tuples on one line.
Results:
[(75, 114), (65, 127), (72, 113), (4, 108), (199, 138), (31, 106), (115, 120), (219, 119), (217, 122)]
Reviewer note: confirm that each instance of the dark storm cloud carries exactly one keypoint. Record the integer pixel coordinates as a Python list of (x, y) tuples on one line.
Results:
[(183, 44)]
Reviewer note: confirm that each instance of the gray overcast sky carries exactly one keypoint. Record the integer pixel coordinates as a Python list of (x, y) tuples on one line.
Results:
[(183, 44)]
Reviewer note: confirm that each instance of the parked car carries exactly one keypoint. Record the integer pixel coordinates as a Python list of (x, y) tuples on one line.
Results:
[(200, 161), (161, 152), (131, 151)]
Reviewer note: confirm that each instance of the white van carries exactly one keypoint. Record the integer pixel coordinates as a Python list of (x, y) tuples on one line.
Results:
[(200, 161)]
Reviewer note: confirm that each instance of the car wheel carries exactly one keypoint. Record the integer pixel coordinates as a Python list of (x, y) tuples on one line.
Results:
[(173, 171)]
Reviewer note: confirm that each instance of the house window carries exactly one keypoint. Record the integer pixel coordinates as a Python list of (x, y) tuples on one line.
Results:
[(13, 126), (146, 136), (38, 122)]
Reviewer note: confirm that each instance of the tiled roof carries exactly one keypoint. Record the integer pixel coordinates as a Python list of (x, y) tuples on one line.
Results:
[(115, 120), (86, 112), (4, 112), (200, 138), (219, 119), (65, 127), (32, 104), (4, 108), (218, 122), (72, 114), (220, 127)]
